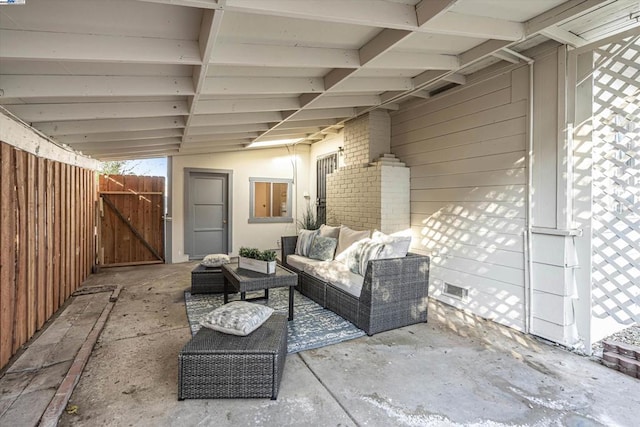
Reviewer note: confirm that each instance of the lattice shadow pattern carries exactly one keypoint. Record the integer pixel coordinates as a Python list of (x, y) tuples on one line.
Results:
[(616, 182)]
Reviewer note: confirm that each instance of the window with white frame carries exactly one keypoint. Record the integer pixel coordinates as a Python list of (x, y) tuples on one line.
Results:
[(270, 200)]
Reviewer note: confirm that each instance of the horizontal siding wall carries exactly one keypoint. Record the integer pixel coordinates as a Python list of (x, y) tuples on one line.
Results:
[(467, 154), (46, 241)]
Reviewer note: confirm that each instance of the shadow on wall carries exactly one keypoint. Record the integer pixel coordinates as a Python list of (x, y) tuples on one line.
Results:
[(477, 244)]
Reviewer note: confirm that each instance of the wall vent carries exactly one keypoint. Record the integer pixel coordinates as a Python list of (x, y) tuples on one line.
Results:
[(456, 291)]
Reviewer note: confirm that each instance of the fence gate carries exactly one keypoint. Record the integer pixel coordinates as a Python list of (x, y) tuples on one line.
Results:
[(131, 220), (616, 182)]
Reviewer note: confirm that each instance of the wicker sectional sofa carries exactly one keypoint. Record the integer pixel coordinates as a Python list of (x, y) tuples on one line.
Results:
[(394, 292)]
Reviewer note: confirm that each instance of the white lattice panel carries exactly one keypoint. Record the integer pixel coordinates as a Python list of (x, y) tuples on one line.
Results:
[(616, 182)]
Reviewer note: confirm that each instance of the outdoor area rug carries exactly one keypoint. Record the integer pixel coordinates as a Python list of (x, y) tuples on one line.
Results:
[(312, 327)]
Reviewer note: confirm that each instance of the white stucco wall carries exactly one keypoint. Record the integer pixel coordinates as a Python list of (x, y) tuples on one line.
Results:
[(267, 163)]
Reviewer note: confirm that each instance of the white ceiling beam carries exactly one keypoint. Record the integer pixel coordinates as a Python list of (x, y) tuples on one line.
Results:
[(261, 85), (381, 43), (202, 4), (216, 142), (211, 149), (135, 151), (456, 78), (306, 131), (235, 118), (119, 136), (373, 84), (137, 156), (108, 125), (86, 147), (49, 46), (217, 106), (423, 94), (30, 86), (97, 110), (336, 76), (481, 51), (209, 29), (371, 13), (246, 127), (329, 113), (428, 77), (506, 56), (481, 27), (307, 123), (563, 36), (262, 55), (560, 14), (340, 79), (429, 9), (340, 101), (395, 60), (391, 95), (291, 135), (209, 136)]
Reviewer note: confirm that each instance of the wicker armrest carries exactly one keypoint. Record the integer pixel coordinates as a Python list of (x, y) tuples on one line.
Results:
[(388, 280), (287, 246)]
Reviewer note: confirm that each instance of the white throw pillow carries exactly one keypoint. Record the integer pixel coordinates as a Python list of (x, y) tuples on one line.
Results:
[(237, 318), (215, 260), (305, 238), (348, 237), (397, 243)]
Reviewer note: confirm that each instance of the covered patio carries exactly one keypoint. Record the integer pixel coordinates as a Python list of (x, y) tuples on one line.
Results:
[(455, 370), (502, 136)]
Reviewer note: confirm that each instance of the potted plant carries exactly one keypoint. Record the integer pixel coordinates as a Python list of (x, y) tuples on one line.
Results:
[(309, 220), (257, 260)]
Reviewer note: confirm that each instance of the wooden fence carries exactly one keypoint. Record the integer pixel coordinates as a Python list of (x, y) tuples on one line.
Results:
[(47, 242), (131, 220)]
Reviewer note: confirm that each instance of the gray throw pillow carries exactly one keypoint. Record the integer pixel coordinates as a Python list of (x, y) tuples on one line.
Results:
[(237, 318), (323, 248), (305, 238), (358, 255), (369, 250)]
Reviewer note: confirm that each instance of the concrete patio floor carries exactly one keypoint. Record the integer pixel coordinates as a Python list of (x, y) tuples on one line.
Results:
[(455, 370)]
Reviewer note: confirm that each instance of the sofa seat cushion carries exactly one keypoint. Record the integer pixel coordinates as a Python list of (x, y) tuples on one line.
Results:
[(338, 275), (301, 263)]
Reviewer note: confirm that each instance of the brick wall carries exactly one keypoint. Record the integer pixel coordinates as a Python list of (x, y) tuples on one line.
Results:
[(367, 138), (372, 190)]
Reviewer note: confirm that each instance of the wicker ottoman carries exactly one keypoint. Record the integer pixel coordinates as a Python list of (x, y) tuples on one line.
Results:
[(217, 365), (207, 280)]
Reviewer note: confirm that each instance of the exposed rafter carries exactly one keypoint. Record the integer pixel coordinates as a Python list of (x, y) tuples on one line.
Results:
[(158, 77)]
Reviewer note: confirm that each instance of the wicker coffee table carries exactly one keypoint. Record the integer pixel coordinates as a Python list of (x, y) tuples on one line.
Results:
[(216, 365), (243, 281)]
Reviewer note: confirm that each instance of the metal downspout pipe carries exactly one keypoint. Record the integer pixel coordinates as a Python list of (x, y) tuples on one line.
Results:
[(528, 276)]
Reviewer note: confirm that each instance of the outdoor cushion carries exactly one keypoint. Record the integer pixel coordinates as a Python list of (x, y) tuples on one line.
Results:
[(237, 318), (215, 260), (356, 256), (305, 238), (397, 243), (338, 275), (348, 237), (329, 231), (323, 248), (301, 263)]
